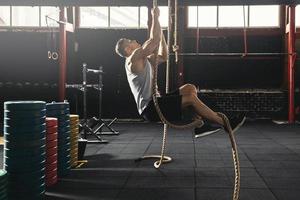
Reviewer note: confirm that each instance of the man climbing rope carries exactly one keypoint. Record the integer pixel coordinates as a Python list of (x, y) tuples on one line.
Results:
[(139, 62)]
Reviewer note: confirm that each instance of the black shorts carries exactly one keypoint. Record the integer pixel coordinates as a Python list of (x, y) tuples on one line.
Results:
[(170, 105)]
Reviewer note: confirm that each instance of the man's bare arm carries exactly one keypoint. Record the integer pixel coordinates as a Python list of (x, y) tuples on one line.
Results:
[(149, 46)]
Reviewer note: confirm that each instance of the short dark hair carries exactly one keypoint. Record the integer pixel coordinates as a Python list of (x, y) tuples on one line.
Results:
[(120, 47)]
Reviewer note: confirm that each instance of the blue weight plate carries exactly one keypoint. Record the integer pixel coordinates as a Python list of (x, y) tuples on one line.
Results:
[(64, 140), (24, 151), (64, 172), (24, 114), (19, 144), (57, 106), (58, 113), (63, 158), (27, 136), (25, 121), (24, 105), (62, 130), (65, 123), (64, 162), (65, 148), (64, 135)]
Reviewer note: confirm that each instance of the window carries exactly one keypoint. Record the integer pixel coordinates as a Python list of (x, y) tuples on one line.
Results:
[(124, 17), (233, 16), (144, 17), (164, 16), (207, 16), (4, 16), (114, 17), (49, 16), (25, 16), (94, 16), (259, 18)]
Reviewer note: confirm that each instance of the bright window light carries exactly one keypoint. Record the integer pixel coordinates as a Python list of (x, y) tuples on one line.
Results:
[(94, 17), (192, 17), (164, 16), (297, 15), (25, 16), (232, 16), (207, 16), (124, 17), (143, 17), (264, 16), (49, 16), (4, 16)]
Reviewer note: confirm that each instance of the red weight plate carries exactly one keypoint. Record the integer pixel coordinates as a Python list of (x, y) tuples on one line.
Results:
[(51, 136), (51, 129), (51, 121)]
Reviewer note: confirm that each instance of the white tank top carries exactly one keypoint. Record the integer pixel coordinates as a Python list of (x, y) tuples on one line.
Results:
[(141, 85)]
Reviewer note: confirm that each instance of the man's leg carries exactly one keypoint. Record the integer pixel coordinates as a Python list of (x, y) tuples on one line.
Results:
[(189, 98)]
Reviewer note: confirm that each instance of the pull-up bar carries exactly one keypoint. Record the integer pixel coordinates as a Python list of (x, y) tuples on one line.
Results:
[(233, 54)]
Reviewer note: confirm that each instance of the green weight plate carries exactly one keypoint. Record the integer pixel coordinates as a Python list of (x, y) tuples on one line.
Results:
[(24, 151), (24, 122), (24, 167), (24, 105), (39, 173), (4, 196), (27, 136), (24, 114), (30, 180), (24, 129), (18, 144), (3, 173), (3, 186), (24, 160)]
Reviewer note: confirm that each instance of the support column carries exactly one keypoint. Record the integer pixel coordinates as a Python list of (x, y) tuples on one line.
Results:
[(62, 54), (291, 30)]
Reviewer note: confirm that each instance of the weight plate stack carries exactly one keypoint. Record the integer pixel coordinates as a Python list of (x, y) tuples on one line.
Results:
[(3, 185), (51, 152), (74, 126), (25, 148), (61, 111)]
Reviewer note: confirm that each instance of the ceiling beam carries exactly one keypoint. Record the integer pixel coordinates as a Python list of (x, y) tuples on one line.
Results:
[(140, 2)]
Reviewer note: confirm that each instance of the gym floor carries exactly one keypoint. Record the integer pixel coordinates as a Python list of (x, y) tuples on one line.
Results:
[(202, 168)]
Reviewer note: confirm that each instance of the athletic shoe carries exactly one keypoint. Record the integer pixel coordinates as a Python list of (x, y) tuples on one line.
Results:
[(234, 122), (205, 129)]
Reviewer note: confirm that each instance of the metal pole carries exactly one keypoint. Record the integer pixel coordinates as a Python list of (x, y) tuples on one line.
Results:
[(169, 45), (100, 91), (291, 63), (84, 71), (62, 55)]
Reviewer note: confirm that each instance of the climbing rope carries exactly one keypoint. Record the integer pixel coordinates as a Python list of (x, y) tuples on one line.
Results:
[(162, 157)]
